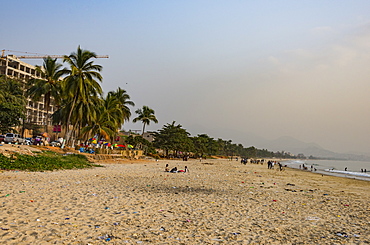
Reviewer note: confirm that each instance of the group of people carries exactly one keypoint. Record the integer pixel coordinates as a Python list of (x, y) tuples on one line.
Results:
[(254, 161), (304, 167), (270, 165), (175, 170)]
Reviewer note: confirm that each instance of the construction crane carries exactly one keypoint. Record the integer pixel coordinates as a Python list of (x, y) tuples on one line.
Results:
[(34, 56)]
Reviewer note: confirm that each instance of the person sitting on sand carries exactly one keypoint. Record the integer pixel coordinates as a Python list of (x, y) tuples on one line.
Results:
[(186, 170), (174, 170), (167, 169)]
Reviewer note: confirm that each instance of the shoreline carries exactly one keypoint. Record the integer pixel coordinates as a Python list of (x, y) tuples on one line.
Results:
[(217, 202), (340, 174)]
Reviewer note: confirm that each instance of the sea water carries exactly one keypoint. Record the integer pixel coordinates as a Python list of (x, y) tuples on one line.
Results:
[(335, 167)]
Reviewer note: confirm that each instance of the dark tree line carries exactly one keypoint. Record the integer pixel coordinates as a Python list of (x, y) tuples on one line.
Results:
[(175, 141)]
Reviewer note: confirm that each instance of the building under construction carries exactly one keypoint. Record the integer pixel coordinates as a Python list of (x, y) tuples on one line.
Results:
[(13, 67)]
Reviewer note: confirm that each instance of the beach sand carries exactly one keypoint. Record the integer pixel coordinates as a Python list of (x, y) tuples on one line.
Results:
[(218, 202)]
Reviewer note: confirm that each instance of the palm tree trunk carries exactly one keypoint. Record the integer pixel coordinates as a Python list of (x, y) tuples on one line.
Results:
[(74, 136), (46, 118), (142, 134), (68, 134), (47, 105)]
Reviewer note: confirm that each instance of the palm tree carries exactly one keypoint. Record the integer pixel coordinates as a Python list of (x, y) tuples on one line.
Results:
[(117, 103), (111, 113), (100, 124), (47, 86), (81, 82), (85, 113), (122, 98), (145, 115)]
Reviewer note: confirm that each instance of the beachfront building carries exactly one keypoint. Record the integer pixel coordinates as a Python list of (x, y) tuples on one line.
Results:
[(13, 67)]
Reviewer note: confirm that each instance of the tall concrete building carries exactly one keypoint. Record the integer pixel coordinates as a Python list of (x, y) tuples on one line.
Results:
[(13, 67)]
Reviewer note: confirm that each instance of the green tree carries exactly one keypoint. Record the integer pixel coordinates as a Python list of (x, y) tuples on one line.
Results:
[(145, 115), (100, 124), (200, 144), (203, 144), (47, 86), (109, 115), (173, 137), (251, 152), (82, 81), (140, 142), (12, 105), (87, 113), (122, 102), (221, 145)]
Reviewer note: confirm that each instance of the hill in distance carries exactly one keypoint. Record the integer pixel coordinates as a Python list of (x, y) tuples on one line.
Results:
[(285, 143)]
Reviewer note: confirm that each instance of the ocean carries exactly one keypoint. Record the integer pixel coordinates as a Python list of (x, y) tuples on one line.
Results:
[(335, 167)]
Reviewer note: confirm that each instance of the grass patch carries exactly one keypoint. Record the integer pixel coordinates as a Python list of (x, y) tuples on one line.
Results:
[(46, 161)]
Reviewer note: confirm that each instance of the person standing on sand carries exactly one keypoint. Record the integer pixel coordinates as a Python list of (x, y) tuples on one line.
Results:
[(280, 166)]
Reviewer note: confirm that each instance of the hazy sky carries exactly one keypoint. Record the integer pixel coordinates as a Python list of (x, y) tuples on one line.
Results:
[(269, 68)]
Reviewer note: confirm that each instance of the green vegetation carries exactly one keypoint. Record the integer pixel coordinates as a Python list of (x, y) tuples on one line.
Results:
[(175, 141), (82, 109), (85, 112), (47, 161), (173, 138), (49, 86), (141, 143), (12, 104), (145, 115)]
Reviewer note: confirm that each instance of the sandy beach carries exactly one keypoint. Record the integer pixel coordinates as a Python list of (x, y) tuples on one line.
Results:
[(217, 202)]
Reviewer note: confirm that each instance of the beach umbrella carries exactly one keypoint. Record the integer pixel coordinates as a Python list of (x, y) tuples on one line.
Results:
[(130, 146), (120, 145)]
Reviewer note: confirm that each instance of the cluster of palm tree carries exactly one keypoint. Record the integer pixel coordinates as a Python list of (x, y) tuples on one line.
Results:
[(82, 108)]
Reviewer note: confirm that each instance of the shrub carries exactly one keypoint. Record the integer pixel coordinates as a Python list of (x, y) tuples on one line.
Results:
[(47, 161)]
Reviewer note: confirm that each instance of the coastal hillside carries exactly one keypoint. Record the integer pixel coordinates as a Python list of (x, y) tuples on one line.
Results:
[(285, 143), (310, 149)]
